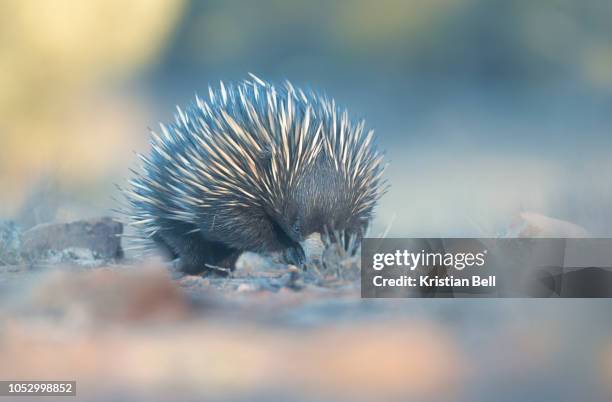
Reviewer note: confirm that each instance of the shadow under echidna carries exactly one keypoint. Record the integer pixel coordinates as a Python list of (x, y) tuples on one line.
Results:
[(254, 168)]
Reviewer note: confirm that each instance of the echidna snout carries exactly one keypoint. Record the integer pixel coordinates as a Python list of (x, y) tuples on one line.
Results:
[(254, 168)]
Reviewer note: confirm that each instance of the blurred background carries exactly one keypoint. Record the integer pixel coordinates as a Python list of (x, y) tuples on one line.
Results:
[(486, 108)]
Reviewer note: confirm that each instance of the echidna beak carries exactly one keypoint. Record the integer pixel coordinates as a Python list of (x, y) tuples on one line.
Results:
[(295, 255)]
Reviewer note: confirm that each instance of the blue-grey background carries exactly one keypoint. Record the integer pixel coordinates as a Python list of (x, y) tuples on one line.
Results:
[(486, 108)]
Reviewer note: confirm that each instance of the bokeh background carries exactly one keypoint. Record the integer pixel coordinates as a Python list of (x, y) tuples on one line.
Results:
[(486, 109)]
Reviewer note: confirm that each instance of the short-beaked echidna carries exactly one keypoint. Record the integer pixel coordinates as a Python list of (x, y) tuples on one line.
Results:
[(254, 168)]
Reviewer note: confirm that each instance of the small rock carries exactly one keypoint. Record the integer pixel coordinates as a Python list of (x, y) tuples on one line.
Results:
[(313, 247), (193, 281), (246, 287), (531, 224), (101, 236), (249, 261), (80, 256)]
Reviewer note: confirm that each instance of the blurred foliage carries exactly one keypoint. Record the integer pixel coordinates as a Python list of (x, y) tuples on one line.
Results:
[(523, 41), (53, 54)]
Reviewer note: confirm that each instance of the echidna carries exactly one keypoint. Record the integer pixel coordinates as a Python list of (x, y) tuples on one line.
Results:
[(256, 168)]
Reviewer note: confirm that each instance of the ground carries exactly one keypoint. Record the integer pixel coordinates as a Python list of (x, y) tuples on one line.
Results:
[(136, 330)]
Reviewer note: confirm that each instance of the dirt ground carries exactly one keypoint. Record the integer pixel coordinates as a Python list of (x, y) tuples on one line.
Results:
[(137, 330)]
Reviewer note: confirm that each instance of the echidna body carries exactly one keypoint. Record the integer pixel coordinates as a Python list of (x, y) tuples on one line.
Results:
[(256, 168)]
